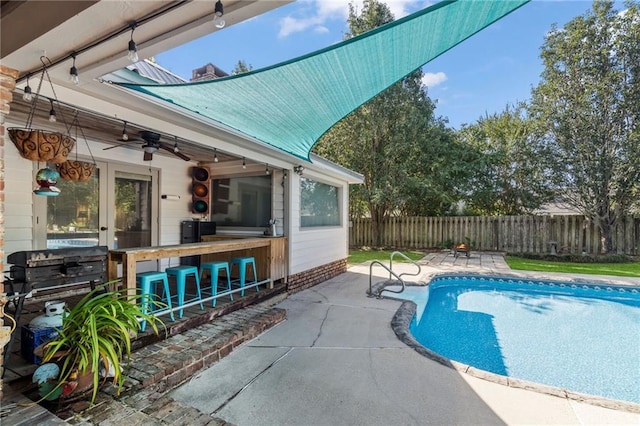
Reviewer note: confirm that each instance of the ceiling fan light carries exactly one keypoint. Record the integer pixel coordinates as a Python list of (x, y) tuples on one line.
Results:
[(150, 149)]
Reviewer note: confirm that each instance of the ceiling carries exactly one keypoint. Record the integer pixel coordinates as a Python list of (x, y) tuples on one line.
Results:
[(99, 31)]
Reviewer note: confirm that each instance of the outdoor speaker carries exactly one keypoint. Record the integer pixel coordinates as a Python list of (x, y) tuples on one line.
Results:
[(200, 182)]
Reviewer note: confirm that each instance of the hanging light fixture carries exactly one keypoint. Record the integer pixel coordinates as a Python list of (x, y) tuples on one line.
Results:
[(52, 113), (125, 135), (175, 145), (133, 48), (215, 155), (218, 12), (73, 71), (28, 95), (244, 163), (266, 169)]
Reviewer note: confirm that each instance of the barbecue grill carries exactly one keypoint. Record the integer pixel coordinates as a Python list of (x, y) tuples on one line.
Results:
[(50, 269), (53, 270)]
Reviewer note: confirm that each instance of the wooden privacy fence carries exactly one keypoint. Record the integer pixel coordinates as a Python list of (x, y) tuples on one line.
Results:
[(515, 234)]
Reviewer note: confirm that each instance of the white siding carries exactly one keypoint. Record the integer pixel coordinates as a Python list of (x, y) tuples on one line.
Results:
[(317, 246), (18, 201)]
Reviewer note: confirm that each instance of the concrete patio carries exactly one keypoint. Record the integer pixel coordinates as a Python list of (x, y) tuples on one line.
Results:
[(335, 360)]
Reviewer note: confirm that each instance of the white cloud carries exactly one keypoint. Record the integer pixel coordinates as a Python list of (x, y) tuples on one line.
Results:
[(432, 79), (313, 14)]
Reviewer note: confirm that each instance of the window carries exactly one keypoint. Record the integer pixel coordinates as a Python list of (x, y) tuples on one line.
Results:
[(318, 204), (243, 201)]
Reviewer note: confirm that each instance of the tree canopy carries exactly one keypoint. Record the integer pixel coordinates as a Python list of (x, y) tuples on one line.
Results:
[(588, 106), (511, 166), (405, 154)]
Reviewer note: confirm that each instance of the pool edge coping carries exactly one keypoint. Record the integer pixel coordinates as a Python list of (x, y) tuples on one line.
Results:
[(400, 325)]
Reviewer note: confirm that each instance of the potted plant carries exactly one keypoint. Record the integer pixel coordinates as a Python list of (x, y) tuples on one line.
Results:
[(95, 334)]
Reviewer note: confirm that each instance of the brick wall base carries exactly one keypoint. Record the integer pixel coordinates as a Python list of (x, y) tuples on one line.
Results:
[(311, 277)]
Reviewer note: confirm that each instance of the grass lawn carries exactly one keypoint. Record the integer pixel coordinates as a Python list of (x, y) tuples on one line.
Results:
[(360, 256), (617, 269)]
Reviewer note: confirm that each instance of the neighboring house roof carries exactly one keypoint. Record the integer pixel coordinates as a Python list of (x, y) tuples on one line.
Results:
[(155, 72), (291, 105), (558, 207), (143, 72)]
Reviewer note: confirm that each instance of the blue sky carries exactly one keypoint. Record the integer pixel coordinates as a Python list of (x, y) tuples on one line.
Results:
[(496, 67)]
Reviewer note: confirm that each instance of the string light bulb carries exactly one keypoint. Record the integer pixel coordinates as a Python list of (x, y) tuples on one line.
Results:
[(175, 145), (52, 113), (73, 71), (266, 169), (133, 48), (28, 94), (125, 135), (244, 163), (215, 155), (218, 12)]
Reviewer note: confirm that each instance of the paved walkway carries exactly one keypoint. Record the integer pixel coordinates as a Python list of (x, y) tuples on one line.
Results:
[(334, 361)]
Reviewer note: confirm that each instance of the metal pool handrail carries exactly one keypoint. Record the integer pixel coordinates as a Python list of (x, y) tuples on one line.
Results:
[(407, 258), (391, 273)]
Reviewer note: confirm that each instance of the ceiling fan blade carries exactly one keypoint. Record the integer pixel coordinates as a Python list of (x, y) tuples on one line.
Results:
[(113, 146), (171, 150), (148, 156)]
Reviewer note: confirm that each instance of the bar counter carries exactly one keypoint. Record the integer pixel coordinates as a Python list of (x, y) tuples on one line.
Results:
[(267, 260)]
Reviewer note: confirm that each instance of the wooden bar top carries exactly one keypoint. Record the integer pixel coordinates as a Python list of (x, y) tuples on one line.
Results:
[(129, 256)]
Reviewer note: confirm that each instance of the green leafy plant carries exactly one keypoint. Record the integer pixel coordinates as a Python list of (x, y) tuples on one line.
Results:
[(97, 332)]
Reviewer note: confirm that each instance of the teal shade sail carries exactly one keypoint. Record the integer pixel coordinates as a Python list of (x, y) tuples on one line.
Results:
[(291, 105)]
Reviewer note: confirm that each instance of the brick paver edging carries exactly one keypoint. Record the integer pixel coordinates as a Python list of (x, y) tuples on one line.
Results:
[(158, 368)]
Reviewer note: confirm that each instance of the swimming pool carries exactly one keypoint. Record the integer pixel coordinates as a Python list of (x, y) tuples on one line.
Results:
[(575, 336)]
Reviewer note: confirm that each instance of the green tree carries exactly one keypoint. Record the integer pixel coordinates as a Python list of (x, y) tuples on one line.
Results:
[(511, 165), (588, 103), (241, 67), (388, 141)]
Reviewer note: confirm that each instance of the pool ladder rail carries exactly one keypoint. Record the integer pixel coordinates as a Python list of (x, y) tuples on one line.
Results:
[(378, 292)]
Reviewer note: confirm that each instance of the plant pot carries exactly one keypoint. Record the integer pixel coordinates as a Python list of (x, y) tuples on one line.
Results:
[(42, 145), (78, 171)]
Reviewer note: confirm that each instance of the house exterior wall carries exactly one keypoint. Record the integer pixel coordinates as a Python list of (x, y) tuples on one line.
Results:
[(309, 248), (312, 247)]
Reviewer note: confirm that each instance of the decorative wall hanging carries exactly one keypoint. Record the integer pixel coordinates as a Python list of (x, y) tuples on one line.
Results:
[(37, 144)]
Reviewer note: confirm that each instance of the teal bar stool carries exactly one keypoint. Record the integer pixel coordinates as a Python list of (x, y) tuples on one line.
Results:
[(243, 263), (214, 269), (181, 273), (145, 281)]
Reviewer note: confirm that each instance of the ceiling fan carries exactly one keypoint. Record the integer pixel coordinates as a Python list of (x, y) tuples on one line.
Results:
[(152, 144)]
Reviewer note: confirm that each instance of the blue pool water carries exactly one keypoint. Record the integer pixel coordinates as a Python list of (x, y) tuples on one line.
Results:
[(580, 337)]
